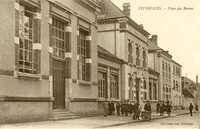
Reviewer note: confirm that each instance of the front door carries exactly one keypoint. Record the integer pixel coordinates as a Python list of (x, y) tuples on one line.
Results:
[(58, 84)]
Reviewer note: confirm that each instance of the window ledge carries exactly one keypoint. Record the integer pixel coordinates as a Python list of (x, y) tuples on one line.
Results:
[(29, 76), (85, 83)]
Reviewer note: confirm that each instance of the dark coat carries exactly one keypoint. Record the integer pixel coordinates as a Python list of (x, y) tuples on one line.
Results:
[(147, 107), (118, 106), (191, 107), (168, 108), (112, 106)]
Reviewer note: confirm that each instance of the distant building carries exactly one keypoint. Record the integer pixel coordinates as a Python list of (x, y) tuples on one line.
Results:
[(124, 38), (187, 98), (176, 85), (160, 61), (192, 88)]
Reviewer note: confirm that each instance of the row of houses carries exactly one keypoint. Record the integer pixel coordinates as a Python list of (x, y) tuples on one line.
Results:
[(71, 55)]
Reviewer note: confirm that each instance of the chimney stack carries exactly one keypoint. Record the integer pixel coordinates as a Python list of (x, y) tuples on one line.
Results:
[(127, 9), (154, 39), (141, 26), (197, 79)]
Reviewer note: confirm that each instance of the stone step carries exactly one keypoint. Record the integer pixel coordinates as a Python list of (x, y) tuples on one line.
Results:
[(61, 114), (64, 118), (55, 113)]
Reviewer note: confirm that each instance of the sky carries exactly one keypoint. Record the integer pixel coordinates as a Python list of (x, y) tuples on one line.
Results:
[(178, 30)]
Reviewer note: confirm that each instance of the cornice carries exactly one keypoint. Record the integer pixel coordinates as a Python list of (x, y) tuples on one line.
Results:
[(110, 58), (87, 6)]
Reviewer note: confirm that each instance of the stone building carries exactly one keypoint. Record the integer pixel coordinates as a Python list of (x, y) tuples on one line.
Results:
[(109, 77), (154, 71), (127, 40), (48, 58), (192, 88), (160, 61), (176, 85)]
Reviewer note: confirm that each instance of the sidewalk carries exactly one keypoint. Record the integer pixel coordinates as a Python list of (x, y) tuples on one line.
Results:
[(88, 122), (114, 120)]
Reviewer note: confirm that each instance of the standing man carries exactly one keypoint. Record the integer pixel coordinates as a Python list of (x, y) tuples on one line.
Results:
[(191, 108), (197, 107), (122, 108), (147, 107), (112, 110), (158, 107), (169, 107), (118, 108), (105, 107)]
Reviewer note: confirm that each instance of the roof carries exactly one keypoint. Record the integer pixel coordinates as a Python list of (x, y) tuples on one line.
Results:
[(192, 86), (152, 71), (176, 63), (106, 54), (153, 46), (110, 9), (187, 94)]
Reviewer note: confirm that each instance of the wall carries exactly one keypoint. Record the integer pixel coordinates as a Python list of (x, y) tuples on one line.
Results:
[(22, 99)]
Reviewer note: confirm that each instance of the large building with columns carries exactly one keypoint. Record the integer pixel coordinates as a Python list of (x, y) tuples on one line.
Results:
[(124, 38), (48, 58)]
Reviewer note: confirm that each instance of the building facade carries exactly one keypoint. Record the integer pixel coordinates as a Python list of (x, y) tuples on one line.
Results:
[(48, 52), (192, 88), (127, 40), (176, 85), (109, 77), (153, 87), (160, 61)]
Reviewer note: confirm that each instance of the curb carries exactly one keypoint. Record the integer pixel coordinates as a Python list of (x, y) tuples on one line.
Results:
[(137, 121)]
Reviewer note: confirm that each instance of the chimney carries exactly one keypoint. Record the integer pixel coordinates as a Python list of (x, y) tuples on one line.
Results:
[(154, 39), (127, 9), (197, 79), (141, 26)]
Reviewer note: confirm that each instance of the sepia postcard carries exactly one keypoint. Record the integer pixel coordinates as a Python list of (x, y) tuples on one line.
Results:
[(99, 64)]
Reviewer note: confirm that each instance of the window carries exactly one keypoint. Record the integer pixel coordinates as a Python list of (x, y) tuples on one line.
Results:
[(130, 52), (174, 84), (144, 59), (82, 54), (166, 70), (150, 92), (114, 88), (145, 84), (58, 38), (155, 91), (137, 56), (102, 85), (169, 72), (177, 87), (145, 95), (26, 34), (163, 69), (130, 87)]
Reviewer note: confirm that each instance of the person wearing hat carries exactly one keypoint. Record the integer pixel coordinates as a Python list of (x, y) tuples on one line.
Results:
[(191, 108), (147, 107)]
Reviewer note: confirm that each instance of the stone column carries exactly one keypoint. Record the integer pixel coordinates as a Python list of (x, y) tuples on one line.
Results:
[(68, 58)]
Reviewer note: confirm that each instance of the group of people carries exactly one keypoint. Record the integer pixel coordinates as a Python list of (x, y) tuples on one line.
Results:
[(129, 109), (124, 109), (162, 107)]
